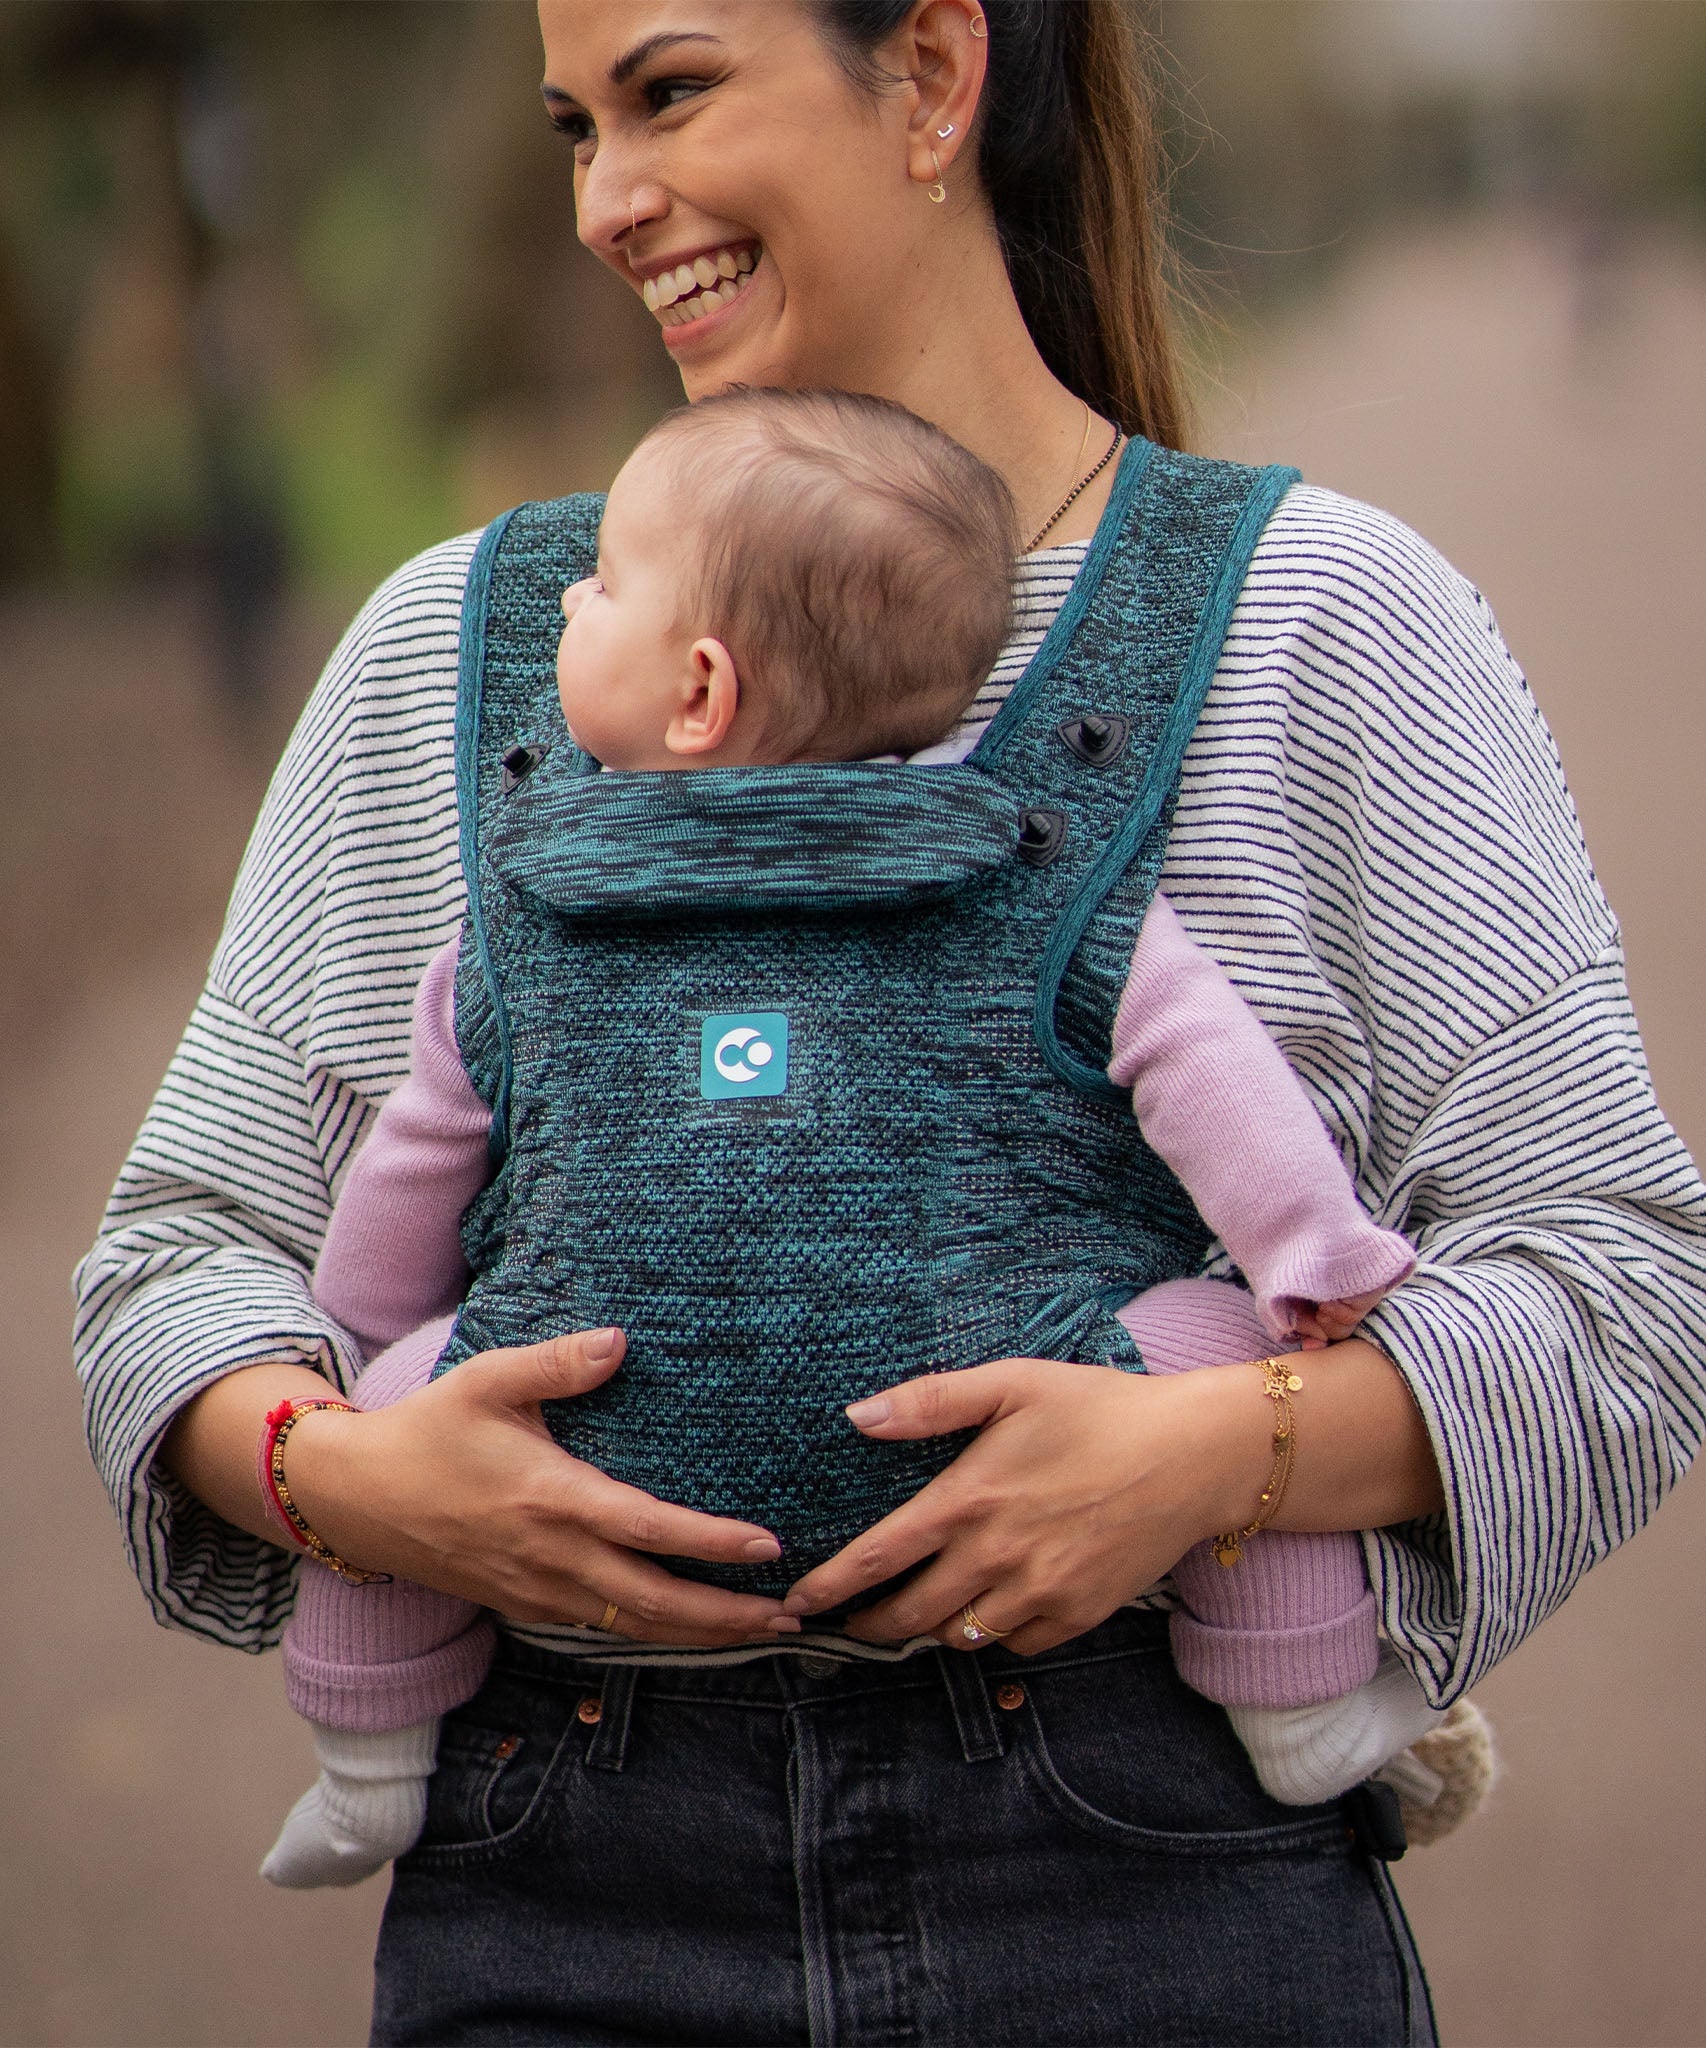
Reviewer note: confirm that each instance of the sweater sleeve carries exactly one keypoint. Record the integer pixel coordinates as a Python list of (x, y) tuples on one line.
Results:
[(1217, 1101), (350, 884), (392, 1256), (1375, 840)]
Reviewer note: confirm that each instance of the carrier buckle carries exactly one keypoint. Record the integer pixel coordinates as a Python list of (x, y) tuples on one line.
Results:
[(1099, 737), (1041, 836), (519, 763)]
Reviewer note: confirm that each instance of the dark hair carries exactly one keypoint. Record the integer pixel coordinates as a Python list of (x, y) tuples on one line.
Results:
[(856, 562), (1069, 153)]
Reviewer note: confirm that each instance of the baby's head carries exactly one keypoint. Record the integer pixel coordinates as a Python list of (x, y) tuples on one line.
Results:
[(787, 576)]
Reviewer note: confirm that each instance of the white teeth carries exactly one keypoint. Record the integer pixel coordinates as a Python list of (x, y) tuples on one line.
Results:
[(690, 291)]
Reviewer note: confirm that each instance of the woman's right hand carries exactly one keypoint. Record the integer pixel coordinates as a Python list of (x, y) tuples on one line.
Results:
[(460, 1486)]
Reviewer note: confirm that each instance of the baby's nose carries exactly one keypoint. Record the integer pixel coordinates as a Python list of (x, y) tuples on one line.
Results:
[(573, 595)]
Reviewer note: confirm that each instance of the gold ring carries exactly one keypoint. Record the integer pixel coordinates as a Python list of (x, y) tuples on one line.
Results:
[(974, 1630), (608, 1616)]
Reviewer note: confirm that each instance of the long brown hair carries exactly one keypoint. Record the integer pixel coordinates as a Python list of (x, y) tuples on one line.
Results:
[(1069, 152)]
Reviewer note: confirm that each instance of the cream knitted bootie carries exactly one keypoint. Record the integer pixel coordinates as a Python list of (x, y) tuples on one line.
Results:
[(1445, 1776)]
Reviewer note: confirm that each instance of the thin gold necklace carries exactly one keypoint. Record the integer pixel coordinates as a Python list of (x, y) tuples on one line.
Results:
[(1081, 486)]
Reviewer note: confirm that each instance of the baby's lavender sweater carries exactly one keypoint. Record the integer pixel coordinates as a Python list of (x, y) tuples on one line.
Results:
[(1213, 1094)]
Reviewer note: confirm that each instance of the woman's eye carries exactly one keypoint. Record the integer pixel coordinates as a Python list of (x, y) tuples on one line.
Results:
[(580, 131), (664, 93)]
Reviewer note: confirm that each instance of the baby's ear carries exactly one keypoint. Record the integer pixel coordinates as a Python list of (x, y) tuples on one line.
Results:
[(710, 700)]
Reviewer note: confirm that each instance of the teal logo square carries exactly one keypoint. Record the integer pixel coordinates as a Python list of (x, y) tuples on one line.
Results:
[(745, 1054)]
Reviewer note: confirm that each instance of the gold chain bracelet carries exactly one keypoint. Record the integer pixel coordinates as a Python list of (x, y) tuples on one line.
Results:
[(1279, 1383)]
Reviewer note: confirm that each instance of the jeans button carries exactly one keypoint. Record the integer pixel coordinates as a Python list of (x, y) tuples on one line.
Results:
[(818, 1667)]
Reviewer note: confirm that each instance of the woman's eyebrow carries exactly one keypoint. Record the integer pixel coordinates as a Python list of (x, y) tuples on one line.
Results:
[(627, 64)]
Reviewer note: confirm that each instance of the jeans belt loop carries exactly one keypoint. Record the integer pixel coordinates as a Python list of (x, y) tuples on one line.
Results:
[(974, 1716), (608, 1749)]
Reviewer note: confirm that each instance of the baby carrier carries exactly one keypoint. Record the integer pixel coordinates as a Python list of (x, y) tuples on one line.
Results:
[(797, 1073)]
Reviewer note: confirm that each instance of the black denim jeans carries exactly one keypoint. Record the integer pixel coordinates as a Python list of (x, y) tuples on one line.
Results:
[(954, 1850)]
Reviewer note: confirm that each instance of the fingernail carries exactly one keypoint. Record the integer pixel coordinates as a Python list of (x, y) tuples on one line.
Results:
[(863, 1413), (796, 1603), (598, 1344), (761, 1549), (784, 1625)]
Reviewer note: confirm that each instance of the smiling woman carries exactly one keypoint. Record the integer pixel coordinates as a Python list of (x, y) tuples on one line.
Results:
[(680, 1812)]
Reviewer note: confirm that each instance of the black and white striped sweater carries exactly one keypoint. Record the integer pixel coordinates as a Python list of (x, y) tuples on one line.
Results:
[(1374, 839)]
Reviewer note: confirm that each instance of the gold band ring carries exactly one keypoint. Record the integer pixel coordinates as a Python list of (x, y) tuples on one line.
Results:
[(607, 1618), (974, 1630)]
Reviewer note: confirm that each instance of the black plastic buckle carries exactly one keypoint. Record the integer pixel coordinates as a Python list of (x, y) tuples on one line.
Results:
[(1376, 1821), (1041, 836), (519, 763), (1099, 737)]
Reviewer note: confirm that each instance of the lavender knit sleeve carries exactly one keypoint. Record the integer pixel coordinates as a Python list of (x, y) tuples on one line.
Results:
[(392, 1258), (1218, 1101)]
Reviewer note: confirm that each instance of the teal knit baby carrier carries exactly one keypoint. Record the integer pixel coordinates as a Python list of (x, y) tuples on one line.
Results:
[(797, 1073)]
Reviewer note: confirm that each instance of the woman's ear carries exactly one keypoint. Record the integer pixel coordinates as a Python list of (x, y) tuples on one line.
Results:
[(942, 50), (709, 704)]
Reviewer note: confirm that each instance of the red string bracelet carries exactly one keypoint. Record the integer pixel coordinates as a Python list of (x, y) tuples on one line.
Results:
[(276, 1492)]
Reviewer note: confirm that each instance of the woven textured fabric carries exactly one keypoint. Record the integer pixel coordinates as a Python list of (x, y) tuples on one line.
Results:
[(927, 1188), (747, 839)]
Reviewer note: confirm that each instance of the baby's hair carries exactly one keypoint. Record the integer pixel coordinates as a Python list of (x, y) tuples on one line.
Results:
[(856, 562)]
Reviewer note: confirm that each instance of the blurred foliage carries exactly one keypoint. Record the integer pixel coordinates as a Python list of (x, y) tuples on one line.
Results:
[(289, 288)]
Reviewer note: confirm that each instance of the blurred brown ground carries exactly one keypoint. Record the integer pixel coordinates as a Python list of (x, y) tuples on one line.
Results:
[(1533, 398)]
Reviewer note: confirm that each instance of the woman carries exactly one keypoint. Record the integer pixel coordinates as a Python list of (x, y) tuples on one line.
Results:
[(943, 201)]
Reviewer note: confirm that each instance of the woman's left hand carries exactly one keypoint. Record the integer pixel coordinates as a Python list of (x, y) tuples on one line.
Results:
[(1084, 1486)]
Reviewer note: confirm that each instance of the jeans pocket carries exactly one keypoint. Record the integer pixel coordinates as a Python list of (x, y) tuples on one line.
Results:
[(501, 1761), (1125, 1752)]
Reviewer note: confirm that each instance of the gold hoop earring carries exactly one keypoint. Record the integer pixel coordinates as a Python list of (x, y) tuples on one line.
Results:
[(938, 192), (977, 27)]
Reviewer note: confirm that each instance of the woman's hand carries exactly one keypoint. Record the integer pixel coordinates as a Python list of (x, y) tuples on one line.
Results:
[(1085, 1485), (461, 1486)]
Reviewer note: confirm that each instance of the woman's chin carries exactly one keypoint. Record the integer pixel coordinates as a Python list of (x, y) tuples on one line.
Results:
[(738, 344)]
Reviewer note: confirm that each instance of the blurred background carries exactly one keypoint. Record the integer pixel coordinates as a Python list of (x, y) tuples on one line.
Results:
[(289, 289)]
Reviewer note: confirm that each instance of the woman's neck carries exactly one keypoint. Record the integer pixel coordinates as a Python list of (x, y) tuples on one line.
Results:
[(967, 363)]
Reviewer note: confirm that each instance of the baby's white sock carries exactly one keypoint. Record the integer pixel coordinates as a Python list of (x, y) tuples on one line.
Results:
[(367, 1806), (1305, 1756)]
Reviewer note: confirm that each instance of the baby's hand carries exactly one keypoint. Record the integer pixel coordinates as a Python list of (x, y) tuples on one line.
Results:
[(1320, 1323)]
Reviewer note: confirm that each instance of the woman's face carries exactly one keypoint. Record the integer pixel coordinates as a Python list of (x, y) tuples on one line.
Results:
[(730, 173)]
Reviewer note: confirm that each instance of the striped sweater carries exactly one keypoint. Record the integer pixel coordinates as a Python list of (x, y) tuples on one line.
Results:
[(1373, 838)]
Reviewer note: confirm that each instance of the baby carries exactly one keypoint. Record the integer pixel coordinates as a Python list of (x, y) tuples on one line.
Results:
[(805, 577)]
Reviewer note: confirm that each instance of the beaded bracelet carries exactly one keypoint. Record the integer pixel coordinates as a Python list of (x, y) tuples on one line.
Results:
[(280, 1423), (1279, 1383)]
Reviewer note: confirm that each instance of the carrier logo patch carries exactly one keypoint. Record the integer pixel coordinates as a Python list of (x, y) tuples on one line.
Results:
[(743, 1055)]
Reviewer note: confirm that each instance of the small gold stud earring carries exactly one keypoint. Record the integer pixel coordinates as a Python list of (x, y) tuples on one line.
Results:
[(942, 134), (938, 191)]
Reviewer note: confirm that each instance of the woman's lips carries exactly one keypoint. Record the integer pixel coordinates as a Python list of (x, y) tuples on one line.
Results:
[(690, 292)]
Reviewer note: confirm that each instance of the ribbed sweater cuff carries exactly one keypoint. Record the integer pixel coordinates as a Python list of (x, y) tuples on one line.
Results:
[(369, 1698), (1278, 1667)]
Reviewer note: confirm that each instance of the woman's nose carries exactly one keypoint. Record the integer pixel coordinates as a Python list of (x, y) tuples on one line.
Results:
[(613, 202)]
